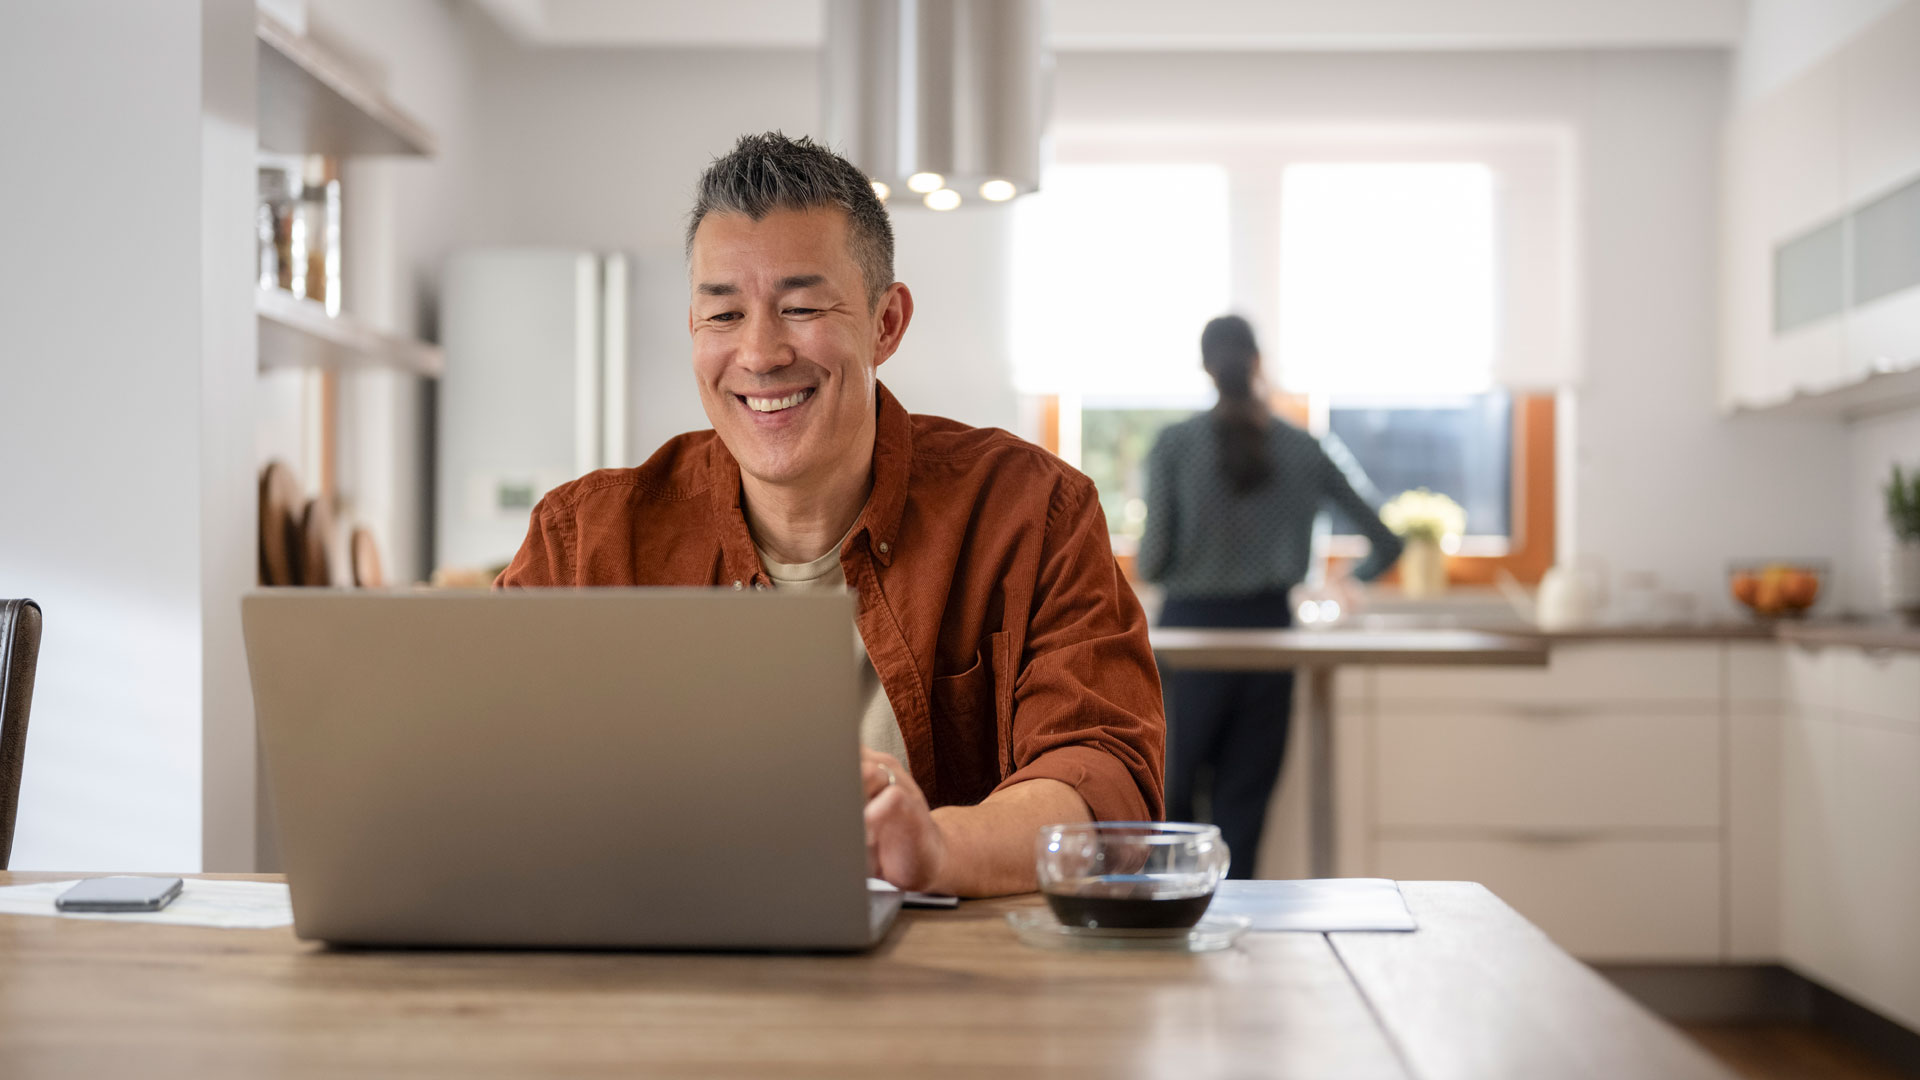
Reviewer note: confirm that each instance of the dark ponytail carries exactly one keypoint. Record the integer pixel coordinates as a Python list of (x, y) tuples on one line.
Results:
[(1240, 420)]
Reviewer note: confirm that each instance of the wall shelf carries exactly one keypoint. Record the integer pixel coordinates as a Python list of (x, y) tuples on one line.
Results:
[(298, 333), (312, 103)]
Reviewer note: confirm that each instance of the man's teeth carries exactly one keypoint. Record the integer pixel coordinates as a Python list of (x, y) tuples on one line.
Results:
[(766, 404)]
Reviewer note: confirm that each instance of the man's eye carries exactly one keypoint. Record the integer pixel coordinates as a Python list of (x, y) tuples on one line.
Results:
[(803, 311), (725, 316)]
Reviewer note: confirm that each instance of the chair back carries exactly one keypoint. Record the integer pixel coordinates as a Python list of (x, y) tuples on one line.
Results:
[(19, 653)]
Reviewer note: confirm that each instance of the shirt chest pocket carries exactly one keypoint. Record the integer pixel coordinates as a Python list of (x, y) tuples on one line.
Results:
[(977, 704)]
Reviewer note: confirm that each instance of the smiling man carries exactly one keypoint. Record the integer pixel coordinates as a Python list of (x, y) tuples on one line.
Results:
[(1009, 683)]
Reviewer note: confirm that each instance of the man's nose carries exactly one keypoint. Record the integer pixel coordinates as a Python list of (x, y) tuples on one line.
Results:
[(764, 347)]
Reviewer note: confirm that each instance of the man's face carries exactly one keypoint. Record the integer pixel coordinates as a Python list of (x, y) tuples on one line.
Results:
[(785, 345)]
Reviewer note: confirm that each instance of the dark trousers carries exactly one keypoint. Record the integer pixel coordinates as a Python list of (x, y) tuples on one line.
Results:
[(1227, 730)]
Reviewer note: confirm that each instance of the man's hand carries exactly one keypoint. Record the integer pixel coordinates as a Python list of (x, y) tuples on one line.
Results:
[(905, 847), (984, 850)]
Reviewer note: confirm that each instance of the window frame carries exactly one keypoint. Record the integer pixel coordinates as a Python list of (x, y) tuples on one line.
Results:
[(1530, 548)]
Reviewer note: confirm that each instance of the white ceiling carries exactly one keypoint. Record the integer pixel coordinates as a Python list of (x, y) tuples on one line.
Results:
[(1167, 24)]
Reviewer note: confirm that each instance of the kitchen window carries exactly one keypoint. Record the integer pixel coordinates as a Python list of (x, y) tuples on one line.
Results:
[(1412, 295)]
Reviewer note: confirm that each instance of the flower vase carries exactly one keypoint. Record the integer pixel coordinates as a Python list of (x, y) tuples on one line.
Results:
[(1423, 569)]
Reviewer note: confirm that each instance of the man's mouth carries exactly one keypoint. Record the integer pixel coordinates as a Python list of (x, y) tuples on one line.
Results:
[(776, 404)]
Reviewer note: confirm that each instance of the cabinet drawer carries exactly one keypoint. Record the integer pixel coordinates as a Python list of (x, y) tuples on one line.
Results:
[(1548, 770), (1653, 672), (1621, 900)]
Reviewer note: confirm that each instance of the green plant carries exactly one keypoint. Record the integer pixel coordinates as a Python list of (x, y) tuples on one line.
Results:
[(1903, 505)]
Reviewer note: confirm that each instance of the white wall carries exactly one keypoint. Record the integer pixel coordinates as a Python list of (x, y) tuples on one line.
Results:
[(124, 508)]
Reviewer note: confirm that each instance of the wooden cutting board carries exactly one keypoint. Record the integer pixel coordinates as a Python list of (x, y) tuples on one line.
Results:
[(279, 525), (316, 544), (367, 573)]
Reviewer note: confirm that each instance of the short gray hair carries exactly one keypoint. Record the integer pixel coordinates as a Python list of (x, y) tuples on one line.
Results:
[(769, 171)]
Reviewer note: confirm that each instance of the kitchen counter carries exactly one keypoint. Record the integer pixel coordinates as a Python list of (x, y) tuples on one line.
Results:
[(1865, 635)]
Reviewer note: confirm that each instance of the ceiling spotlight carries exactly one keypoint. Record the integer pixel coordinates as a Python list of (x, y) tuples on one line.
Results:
[(881, 190), (998, 190), (924, 182), (944, 199)]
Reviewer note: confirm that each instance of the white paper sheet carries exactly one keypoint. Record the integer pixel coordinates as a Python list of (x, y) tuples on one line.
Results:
[(1321, 905), (231, 905)]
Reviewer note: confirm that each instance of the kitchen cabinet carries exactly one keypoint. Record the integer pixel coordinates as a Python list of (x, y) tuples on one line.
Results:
[(1590, 795), (1879, 126), (1600, 898), (1812, 316), (1680, 801), (1849, 813)]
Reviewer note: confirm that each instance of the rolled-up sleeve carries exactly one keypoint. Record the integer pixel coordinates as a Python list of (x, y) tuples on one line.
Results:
[(1087, 709)]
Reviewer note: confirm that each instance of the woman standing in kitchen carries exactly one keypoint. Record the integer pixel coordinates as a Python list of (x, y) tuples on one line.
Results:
[(1231, 498)]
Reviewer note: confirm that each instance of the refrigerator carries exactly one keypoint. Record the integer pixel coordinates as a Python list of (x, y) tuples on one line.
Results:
[(534, 393)]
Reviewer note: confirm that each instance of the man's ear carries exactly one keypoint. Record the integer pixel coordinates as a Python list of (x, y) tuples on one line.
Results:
[(896, 311)]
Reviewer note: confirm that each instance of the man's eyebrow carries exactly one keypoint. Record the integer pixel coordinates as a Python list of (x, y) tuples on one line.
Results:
[(802, 281), (710, 288)]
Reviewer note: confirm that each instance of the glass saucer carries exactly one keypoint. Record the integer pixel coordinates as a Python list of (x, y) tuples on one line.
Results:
[(1037, 926)]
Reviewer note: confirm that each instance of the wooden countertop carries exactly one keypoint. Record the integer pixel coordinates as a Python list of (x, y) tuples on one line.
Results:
[(1477, 992), (1195, 648)]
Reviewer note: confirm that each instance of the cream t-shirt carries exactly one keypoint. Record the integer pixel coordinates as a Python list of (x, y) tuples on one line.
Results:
[(879, 728)]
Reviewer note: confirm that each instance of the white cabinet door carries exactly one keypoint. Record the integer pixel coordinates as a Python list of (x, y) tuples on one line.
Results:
[(1878, 685), (1880, 105), (1850, 826), (1618, 900), (1877, 866), (1810, 840), (1510, 768), (1798, 188), (1754, 734)]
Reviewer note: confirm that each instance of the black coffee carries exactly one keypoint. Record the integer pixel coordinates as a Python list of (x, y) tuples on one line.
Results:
[(1121, 904)]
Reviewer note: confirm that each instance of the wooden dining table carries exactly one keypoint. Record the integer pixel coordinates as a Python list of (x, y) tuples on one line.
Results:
[(1476, 992), (1317, 654)]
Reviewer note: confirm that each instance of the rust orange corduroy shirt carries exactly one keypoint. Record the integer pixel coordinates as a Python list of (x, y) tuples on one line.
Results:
[(1008, 643)]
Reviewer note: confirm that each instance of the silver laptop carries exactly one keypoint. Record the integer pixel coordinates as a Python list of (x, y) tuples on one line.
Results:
[(618, 768)]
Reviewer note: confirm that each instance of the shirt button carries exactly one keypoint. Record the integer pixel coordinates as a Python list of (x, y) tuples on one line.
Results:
[(883, 547), (736, 586)]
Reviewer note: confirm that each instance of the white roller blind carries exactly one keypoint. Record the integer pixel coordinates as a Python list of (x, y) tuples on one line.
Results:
[(1116, 269), (1388, 282)]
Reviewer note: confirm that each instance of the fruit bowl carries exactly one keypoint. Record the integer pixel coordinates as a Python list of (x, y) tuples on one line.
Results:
[(1776, 589)]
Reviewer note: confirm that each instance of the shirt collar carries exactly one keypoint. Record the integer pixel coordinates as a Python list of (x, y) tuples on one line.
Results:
[(880, 520)]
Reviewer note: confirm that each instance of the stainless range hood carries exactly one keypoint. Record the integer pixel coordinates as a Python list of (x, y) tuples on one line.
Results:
[(943, 101)]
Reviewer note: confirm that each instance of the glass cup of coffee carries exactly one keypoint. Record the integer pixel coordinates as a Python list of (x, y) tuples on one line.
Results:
[(1130, 875)]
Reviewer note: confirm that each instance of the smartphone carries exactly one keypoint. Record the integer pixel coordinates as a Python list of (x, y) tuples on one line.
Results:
[(119, 894)]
